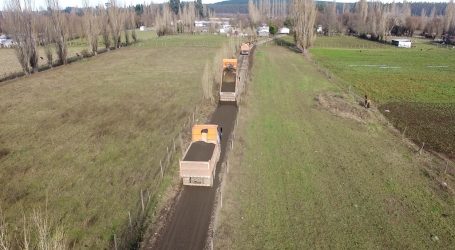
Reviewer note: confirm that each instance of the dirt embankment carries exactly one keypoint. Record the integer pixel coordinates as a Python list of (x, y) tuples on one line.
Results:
[(344, 106)]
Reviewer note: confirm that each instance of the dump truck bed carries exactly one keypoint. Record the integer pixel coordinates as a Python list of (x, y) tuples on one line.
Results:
[(199, 151), (228, 84), (198, 166), (228, 91)]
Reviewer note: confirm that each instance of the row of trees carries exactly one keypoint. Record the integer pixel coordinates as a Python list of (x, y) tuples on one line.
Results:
[(175, 17), (53, 28), (373, 20), (262, 11), (378, 20), (300, 15), (108, 25)]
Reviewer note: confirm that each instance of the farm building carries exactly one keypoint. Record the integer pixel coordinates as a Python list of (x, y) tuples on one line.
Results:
[(263, 30), (6, 42), (284, 30), (402, 43)]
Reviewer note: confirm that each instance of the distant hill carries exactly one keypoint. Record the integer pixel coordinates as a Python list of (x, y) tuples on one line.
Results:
[(241, 6), (230, 7)]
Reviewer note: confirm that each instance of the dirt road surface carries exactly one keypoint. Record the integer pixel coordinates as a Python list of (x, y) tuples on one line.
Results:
[(189, 219)]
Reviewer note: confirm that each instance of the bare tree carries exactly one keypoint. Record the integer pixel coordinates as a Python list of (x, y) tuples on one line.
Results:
[(253, 11), (105, 30), (304, 15), (133, 20), (20, 23), (47, 42), (361, 11), (423, 19), (188, 16), (127, 24), (92, 26), (148, 17), (449, 17), (164, 20), (115, 22), (60, 29), (329, 18), (412, 24)]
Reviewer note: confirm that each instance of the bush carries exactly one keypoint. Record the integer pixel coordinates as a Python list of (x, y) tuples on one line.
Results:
[(272, 29), (85, 53)]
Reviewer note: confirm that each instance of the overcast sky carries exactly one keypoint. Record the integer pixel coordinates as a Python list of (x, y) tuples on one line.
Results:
[(79, 3)]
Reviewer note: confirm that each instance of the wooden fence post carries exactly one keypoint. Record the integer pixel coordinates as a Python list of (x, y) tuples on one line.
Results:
[(129, 217), (161, 167), (142, 201), (115, 242), (421, 149)]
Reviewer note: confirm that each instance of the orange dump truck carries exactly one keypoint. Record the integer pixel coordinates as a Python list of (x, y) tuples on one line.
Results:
[(199, 163), (245, 49), (228, 88)]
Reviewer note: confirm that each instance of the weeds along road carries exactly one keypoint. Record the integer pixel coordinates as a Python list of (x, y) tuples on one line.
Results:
[(190, 217)]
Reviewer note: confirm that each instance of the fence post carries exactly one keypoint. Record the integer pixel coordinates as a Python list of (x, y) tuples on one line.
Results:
[(115, 242), (142, 201), (129, 216), (421, 149), (161, 167)]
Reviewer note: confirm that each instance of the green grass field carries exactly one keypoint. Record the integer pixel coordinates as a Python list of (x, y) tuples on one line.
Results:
[(399, 80), (302, 178), (84, 139)]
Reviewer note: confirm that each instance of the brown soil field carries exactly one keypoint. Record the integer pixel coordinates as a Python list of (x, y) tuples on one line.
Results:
[(429, 123)]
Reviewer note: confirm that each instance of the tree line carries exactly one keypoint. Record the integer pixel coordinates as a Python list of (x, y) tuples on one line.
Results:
[(372, 20), (111, 26), (376, 20), (53, 28)]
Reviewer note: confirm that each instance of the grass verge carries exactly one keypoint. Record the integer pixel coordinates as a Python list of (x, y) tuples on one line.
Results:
[(301, 177)]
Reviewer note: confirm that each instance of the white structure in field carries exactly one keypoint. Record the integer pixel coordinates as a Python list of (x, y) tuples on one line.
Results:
[(402, 43), (6, 42), (264, 30), (142, 28), (284, 30)]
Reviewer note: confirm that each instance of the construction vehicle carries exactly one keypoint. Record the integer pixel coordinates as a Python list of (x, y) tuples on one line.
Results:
[(245, 49), (228, 88), (199, 163)]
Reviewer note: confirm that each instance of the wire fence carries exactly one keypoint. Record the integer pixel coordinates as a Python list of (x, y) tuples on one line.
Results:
[(130, 233)]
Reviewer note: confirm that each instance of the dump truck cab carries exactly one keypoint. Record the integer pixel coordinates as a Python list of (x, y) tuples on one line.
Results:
[(229, 80), (198, 166)]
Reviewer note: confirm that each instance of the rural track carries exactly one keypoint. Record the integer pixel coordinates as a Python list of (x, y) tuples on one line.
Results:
[(189, 221)]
